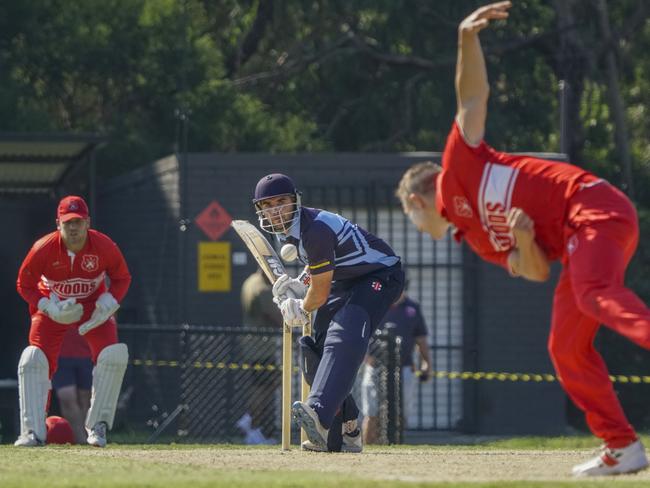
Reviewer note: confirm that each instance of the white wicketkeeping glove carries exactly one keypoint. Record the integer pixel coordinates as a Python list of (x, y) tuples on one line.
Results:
[(287, 287), (65, 312), (105, 307), (293, 313)]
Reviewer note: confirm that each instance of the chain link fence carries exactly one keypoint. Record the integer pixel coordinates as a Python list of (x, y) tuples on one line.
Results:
[(209, 384)]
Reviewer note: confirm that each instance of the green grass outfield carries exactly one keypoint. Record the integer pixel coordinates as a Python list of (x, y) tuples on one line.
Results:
[(521, 462)]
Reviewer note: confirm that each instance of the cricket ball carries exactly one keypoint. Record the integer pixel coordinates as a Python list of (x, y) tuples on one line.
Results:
[(289, 253)]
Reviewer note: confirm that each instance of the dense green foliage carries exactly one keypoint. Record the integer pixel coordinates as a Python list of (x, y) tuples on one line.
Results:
[(320, 75)]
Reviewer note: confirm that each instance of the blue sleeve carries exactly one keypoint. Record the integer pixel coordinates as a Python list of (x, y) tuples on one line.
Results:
[(319, 243)]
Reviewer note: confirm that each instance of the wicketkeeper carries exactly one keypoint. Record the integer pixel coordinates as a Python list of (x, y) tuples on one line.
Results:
[(355, 277), (522, 213), (63, 279)]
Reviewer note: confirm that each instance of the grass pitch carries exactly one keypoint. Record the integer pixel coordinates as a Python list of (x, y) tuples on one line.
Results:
[(526, 462)]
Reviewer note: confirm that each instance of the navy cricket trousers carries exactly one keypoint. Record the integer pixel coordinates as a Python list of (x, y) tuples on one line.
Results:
[(342, 328)]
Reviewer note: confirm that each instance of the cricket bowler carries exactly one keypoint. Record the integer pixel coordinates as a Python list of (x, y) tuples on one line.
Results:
[(522, 213)]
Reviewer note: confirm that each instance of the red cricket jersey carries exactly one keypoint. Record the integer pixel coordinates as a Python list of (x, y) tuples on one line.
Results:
[(479, 185), (50, 267)]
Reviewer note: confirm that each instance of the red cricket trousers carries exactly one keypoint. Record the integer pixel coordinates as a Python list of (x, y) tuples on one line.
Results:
[(601, 236), (48, 336)]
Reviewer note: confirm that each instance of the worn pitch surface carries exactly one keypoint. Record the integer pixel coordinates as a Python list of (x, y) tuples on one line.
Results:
[(419, 464)]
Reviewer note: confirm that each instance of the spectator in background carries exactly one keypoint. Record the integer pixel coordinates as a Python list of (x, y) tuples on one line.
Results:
[(259, 311), (406, 321), (257, 302), (73, 381)]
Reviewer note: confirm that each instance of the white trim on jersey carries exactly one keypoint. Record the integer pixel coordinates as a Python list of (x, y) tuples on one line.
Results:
[(494, 202), (74, 287)]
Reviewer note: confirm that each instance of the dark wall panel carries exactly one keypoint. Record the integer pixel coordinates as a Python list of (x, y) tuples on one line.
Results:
[(507, 320), (513, 319)]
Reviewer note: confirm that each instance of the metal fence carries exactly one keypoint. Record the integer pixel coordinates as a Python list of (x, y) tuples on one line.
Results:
[(385, 349), (435, 273), (222, 384)]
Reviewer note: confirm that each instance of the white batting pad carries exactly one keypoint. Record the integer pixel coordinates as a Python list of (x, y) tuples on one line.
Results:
[(33, 389), (107, 381)]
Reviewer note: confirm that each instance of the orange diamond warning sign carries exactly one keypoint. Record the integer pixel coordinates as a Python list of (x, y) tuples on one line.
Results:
[(214, 220)]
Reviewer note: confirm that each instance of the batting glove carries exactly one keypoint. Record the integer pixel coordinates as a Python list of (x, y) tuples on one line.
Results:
[(105, 307), (64, 312), (293, 313), (287, 287)]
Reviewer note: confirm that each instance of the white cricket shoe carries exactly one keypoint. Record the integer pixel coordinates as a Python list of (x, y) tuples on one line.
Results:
[(97, 435), (610, 461), (28, 440), (351, 443), (352, 440), (310, 446), (307, 418)]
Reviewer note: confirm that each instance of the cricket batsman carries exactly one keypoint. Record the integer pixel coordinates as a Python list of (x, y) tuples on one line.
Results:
[(355, 277), (63, 279), (522, 213)]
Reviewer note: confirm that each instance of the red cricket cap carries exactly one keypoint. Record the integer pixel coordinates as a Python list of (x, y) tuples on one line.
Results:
[(72, 207), (59, 430)]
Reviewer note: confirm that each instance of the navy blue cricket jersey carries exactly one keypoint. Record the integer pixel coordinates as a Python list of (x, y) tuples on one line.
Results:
[(328, 241)]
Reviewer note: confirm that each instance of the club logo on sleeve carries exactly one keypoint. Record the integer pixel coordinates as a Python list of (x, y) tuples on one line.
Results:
[(376, 285), (90, 262), (462, 207)]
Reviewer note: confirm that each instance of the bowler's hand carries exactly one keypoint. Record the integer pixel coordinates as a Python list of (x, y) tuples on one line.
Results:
[(522, 226), (481, 17)]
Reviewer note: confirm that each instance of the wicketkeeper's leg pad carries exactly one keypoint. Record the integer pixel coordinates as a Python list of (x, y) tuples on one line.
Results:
[(107, 381), (33, 390)]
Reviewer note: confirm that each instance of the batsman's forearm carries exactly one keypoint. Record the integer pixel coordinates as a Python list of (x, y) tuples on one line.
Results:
[(530, 262), (318, 291), (472, 85), (313, 300)]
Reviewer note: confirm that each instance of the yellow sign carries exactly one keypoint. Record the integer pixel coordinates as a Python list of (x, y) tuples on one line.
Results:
[(214, 266)]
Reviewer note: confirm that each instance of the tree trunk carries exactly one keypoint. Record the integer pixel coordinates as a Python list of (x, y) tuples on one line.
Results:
[(571, 65), (615, 100)]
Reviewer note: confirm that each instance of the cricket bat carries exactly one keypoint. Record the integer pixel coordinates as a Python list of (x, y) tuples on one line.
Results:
[(270, 263), (260, 248)]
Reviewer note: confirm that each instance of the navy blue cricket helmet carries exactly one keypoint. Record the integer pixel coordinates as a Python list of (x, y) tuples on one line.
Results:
[(284, 216)]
